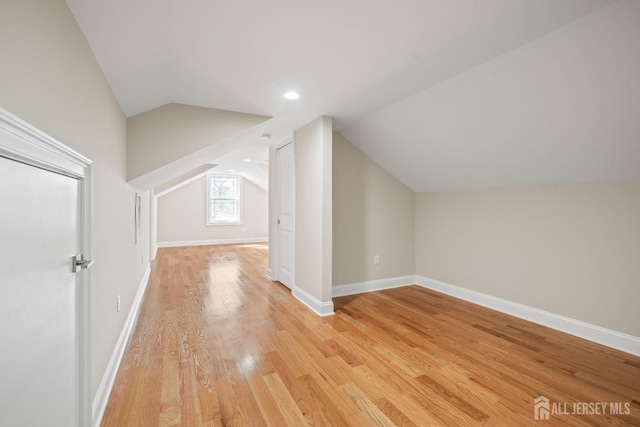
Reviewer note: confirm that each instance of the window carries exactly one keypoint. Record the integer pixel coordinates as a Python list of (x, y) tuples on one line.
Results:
[(224, 200)]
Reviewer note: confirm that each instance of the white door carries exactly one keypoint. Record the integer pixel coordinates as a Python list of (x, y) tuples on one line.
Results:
[(39, 236), (285, 175), (44, 308)]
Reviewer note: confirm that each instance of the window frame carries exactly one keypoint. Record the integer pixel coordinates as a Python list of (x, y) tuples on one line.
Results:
[(209, 199)]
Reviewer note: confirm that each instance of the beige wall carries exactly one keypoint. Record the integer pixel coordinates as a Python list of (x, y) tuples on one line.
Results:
[(373, 214), (182, 214), (50, 78), (572, 250), (313, 235), (181, 180), (161, 136)]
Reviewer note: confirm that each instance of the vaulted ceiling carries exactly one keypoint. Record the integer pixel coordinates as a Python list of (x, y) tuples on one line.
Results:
[(443, 94)]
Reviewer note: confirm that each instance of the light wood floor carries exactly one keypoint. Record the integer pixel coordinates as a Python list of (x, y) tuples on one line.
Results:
[(218, 344)]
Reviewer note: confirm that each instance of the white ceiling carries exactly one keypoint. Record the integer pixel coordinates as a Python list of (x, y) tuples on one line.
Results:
[(410, 82)]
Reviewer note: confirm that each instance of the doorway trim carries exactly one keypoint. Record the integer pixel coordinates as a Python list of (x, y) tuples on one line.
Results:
[(272, 272), (24, 143)]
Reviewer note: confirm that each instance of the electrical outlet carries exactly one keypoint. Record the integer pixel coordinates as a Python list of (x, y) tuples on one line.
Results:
[(376, 259), (118, 304)]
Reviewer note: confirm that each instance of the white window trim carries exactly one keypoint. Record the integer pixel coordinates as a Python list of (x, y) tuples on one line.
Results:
[(208, 199)]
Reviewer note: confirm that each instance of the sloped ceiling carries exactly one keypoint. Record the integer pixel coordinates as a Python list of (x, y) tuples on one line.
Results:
[(444, 94), (564, 108)]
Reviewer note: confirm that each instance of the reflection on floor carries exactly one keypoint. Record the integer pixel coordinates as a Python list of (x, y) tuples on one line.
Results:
[(218, 344)]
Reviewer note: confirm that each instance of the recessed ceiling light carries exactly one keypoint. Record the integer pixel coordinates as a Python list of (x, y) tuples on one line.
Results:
[(230, 170), (247, 160), (265, 136), (291, 95)]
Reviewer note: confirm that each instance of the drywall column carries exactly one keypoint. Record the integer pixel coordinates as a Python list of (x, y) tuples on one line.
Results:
[(313, 240)]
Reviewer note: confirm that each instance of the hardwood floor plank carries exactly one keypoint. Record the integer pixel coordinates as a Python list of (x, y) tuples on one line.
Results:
[(366, 406), (333, 397), (415, 411), (170, 410), (217, 344), (396, 416), (268, 406), (294, 385), (325, 401), (285, 402)]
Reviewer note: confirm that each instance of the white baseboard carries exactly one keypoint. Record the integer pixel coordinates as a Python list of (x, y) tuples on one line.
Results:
[(372, 285), (322, 309), (597, 334), (101, 398), (212, 242), (154, 252)]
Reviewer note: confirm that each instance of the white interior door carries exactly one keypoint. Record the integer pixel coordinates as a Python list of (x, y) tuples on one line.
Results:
[(39, 360), (45, 316), (285, 175)]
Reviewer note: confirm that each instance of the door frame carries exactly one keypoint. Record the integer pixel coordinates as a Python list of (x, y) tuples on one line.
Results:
[(274, 263), (24, 143)]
